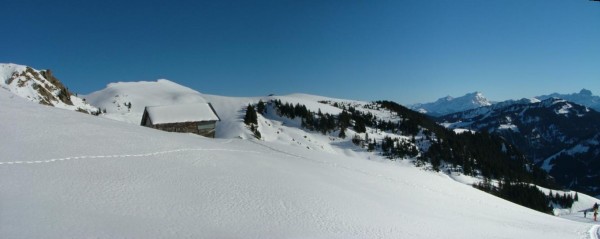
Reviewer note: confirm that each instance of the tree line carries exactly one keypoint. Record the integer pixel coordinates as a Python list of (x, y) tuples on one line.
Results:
[(474, 154), (251, 120), (520, 193)]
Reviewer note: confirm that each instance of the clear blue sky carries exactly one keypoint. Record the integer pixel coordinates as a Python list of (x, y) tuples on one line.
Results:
[(406, 51)]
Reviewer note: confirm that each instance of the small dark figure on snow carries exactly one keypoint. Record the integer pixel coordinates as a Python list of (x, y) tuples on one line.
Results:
[(595, 208), (584, 213)]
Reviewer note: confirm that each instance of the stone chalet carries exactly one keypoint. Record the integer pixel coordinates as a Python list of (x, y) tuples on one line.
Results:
[(197, 118)]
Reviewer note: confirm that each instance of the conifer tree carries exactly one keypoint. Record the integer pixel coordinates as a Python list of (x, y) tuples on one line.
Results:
[(371, 145), (323, 124), (344, 119), (260, 107), (359, 125), (342, 133), (250, 117), (356, 139)]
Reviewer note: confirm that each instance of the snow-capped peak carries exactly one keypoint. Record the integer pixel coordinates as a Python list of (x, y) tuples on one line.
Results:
[(40, 86), (449, 104), (477, 99)]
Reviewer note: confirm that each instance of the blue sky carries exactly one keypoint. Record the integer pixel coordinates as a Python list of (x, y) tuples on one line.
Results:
[(406, 51)]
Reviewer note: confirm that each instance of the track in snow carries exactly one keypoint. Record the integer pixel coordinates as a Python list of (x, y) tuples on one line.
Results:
[(120, 156), (595, 232)]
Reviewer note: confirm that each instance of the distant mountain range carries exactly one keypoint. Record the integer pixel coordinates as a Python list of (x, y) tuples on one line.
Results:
[(558, 132), (448, 105), (560, 136), (584, 97)]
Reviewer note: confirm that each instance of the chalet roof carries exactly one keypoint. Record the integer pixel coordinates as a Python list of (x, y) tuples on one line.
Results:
[(178, 113)]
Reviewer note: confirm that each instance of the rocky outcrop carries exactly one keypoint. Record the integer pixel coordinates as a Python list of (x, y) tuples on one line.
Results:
[(40, 86), (63, 93)]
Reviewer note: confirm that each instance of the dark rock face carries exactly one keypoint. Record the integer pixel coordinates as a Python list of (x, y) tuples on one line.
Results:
[(64, 95)]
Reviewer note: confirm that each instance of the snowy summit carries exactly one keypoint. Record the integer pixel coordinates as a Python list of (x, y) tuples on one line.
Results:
[(449, 104)]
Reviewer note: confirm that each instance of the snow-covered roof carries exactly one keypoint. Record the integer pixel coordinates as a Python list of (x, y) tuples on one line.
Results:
[(193, 112)]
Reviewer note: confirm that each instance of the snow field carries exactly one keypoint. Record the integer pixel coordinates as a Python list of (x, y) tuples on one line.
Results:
[(154, 184)]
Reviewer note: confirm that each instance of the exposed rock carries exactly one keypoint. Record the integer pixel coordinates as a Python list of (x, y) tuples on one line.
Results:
[(40, 86), (47, 97), (64, 95)]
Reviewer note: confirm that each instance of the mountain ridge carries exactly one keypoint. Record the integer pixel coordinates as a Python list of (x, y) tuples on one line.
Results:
[(449, 104), (584, 97)]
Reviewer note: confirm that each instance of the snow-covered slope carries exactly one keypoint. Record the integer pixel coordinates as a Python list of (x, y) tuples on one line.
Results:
[(274, 128), (449, 104), (40, 86), (108, 179), (116, 96)]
